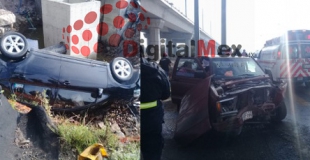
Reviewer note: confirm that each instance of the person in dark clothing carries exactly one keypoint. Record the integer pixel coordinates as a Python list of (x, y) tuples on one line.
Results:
[(165, 63), (155, 87)]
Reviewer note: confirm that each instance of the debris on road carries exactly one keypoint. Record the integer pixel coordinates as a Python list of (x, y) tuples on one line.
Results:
[(20, 140)]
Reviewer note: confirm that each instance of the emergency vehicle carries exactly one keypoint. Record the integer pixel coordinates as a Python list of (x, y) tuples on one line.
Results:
[(287, 57)]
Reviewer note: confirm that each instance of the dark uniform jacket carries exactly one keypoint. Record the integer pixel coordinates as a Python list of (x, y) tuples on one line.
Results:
[(155, 84)]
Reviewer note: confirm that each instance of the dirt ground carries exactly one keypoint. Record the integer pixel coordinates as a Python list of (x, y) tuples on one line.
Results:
[(26, 12), (36, 141)]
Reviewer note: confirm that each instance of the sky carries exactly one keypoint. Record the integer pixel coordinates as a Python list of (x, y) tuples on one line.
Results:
[(249, 22)]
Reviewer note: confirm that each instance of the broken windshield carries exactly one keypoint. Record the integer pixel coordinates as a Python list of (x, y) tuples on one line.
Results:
[(235, 67)]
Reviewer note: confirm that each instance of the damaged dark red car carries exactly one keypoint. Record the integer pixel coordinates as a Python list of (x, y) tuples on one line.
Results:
[(223, 93)]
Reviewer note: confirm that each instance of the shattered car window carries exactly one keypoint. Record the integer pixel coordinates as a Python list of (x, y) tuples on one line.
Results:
[(235, 67), (187, 67)]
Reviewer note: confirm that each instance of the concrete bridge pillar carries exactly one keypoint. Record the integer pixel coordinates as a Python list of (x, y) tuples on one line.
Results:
[(174, 49), (153, 48), (179, 37), (188, 38)]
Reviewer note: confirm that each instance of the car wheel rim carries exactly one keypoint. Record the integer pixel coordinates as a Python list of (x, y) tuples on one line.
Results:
[(122, 69), (13, 44)]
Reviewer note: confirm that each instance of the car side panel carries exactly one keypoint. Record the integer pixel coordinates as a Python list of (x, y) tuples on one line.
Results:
[(82, 75), (37, 69), (36, 74)]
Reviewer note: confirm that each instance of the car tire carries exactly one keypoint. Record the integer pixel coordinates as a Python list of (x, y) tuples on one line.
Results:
[(121, 69), (13, 45), (178, 107), (236, 132), (280, 113)]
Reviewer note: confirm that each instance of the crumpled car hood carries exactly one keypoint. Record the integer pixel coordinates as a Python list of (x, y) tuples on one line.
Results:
[(246, 79), (240, 81), (241, 85)]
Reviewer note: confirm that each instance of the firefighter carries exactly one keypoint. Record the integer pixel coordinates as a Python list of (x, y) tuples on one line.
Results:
[(155, 87)]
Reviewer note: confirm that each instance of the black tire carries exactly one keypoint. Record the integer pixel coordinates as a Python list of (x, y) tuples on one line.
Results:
[(121, 69), (13, 45), (177, 103), (280, 113), (178, 107), (236, 132)]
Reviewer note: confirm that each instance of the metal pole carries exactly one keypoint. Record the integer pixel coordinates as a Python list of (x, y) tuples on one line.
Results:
[(196, 28), (186, 8), (223, 22), (210, 28), (202, 19)]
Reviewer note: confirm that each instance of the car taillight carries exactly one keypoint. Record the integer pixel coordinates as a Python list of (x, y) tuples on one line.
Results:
[(279, 55)]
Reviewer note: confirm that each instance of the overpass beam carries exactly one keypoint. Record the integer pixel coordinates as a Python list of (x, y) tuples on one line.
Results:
[(154, 37), (186, 38)]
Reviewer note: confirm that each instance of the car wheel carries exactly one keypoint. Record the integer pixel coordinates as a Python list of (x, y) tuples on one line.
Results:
[(13, 45), (121, 69), (280, 113)]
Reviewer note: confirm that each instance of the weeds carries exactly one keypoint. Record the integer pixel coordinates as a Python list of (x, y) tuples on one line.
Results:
[(79, 136), (129, 152), (12, 100), (79, 132)]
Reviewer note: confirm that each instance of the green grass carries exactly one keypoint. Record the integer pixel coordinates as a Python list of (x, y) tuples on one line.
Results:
[(80, 136)]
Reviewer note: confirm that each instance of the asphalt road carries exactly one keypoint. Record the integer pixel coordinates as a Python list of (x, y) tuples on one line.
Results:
[(287, 140), (32, 126), (8, 124)]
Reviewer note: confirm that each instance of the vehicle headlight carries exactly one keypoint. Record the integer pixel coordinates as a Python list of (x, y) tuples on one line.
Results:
[(226, 105)]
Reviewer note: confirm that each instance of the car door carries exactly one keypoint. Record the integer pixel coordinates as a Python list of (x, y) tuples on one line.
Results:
[(181, 81), (36, 76), (81, 81), (193, 118)]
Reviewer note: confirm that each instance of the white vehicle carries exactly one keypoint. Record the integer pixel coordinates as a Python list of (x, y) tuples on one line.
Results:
[(287, 57)]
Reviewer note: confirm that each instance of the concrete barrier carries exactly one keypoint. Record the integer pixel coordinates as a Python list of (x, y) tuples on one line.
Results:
[(119, 30), (74, 22), (7, 19)]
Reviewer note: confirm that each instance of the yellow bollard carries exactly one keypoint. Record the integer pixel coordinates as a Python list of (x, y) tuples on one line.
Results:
[(93, 152)]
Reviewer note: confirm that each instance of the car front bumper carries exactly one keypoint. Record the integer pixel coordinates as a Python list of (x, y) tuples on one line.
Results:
[(236, 120)]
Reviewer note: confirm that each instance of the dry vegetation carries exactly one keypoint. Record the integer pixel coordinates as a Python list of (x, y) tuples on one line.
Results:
[(115, 127)]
